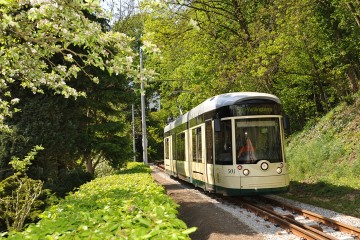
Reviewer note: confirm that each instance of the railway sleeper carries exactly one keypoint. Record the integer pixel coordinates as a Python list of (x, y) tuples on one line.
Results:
[(337, 226), (317, 227), (289, 216)]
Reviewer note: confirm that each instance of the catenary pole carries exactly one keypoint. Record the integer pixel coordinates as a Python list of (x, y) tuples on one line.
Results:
[(143, 119), (133, 130)]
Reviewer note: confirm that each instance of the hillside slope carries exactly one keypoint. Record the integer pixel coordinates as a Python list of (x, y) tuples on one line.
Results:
[(324, 160)]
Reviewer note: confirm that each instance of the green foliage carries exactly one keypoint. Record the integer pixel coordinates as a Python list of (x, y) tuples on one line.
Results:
[(129, 205), (35, 34), (8, 142), (103, 169), (134, 167), (22, 166), (69, 129), (155, 135), (328, 151), (67, 181), (324, 161), (19, 194), (306, 52), (324, 194), (19, 200), (63, 47), (187, 60), (52, 122)]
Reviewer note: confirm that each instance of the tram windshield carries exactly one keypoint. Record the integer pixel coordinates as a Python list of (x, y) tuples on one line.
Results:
[(258, 139)]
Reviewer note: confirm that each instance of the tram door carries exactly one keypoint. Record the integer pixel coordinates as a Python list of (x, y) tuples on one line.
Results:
[(197, 155), (168, 155), (209, 151)]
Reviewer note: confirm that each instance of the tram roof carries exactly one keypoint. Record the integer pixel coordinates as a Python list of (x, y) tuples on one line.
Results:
[(219, 101)]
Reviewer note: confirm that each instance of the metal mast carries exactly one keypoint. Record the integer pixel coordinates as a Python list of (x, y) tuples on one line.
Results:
[(143, 119), (133, 130)]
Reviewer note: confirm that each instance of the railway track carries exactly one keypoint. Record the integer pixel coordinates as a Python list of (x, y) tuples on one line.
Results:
[(288, 221), (264, 207), (321, 220)]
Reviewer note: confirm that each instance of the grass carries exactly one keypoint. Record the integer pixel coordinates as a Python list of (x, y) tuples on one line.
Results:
[(324, 161), (341, 199)]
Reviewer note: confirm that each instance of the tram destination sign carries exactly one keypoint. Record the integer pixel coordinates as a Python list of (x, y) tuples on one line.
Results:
[(256, 109)]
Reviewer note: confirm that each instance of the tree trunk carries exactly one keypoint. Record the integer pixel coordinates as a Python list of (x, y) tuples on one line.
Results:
[(242, 21), (89, 164), (353, 75), (354, 12)]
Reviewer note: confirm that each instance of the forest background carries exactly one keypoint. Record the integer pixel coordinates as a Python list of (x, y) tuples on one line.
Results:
[(69, 75)]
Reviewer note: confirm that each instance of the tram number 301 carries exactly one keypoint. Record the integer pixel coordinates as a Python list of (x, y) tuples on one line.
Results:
[(231, 171)]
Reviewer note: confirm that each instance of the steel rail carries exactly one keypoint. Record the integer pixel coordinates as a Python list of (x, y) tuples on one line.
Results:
[(289, 224), (339, 226)]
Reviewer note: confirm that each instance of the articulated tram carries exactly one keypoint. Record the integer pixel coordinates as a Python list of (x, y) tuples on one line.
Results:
[(231, 144)]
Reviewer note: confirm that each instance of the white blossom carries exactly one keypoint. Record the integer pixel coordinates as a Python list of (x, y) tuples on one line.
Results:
[(14, 101)]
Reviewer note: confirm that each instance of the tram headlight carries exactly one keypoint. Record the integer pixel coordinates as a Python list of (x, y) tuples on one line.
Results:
[(264, 166), (246, 172), (279, 170)]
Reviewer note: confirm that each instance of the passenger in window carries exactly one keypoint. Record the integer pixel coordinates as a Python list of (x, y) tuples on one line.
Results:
[(246, 151)]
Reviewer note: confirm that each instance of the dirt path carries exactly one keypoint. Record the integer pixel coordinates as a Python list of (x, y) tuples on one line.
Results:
[(212, 222)]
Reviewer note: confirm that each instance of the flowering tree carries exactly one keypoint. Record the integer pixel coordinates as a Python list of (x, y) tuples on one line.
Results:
[(51, 46), (34, 33)]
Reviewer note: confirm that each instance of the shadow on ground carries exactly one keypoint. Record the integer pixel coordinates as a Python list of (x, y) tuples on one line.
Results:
[(211, 221)]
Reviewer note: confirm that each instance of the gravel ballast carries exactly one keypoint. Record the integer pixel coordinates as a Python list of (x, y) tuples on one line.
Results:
[(264, 229)]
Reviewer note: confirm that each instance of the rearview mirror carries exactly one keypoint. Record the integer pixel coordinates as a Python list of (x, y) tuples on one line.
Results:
[(286, 124), (217, 125)]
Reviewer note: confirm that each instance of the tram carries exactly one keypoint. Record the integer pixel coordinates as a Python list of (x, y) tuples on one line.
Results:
[(232, 144)]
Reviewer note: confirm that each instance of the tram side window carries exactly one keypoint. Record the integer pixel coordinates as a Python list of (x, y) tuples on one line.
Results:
[(180, 147), (223, 144), (196, 145), (167, 146), (209, 142), (174, 146)]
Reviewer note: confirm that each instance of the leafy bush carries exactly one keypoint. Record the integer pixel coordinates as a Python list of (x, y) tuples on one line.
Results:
[(104, 169), (129, 205), (67, 181), (21, 198)]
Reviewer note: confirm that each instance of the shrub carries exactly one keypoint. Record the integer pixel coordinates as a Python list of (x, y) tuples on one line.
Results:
[(129, 205), (104, 169), (67, 181), (18, 195)]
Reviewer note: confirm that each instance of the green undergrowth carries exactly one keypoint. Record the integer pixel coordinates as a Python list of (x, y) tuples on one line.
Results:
[(128, 205), (341, 199), (324, 161)]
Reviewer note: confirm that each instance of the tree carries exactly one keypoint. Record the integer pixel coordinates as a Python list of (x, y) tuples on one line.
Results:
[(33, 32), (92, 129), (56, 49), (306, 52), (105, 126), (316, 58)]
